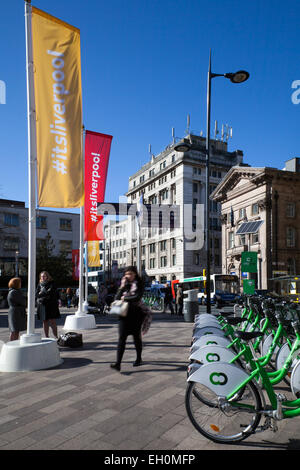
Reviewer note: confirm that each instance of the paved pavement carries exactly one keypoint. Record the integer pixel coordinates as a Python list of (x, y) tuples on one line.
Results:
[(84, 404)]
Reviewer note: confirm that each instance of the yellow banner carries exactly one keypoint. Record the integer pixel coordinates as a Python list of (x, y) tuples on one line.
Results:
[(93, 254), (58, 103)]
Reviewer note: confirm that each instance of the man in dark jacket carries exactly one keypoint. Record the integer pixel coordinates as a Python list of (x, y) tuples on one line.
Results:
[(168, 299)]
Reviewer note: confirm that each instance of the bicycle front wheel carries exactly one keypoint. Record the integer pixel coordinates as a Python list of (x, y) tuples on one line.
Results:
[(226, 423)]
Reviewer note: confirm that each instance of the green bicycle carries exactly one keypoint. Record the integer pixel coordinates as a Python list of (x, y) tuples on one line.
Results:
[(234, 401)]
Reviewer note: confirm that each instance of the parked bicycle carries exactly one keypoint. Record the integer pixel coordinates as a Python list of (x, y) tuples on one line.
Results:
[(225, 397)]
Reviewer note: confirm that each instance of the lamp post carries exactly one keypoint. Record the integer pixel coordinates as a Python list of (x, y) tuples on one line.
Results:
[(17, 263), (237, 77)]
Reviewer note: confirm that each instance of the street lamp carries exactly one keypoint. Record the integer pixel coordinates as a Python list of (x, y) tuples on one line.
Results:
[(237, 77)]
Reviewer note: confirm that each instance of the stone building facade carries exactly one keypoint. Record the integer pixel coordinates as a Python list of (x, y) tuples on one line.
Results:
[(269, 195), (63, 227)]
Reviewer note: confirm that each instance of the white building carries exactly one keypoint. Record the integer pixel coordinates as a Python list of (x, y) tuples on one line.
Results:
[(174, 178)]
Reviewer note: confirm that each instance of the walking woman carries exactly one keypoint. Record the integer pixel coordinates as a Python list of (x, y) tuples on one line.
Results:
[(131, 291), (47, 303), (17, 320)]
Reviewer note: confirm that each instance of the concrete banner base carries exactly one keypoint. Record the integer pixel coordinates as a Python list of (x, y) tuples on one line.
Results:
[(23, 355), (80, 322)]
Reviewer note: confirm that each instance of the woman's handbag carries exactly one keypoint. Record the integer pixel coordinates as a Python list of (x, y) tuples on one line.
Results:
[(119, 307)]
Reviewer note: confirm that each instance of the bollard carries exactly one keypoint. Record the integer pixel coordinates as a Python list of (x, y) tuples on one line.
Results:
[(190, 305)]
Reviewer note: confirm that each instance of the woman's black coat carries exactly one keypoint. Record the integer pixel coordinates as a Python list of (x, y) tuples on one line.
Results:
[(47, 301), (135, 314)]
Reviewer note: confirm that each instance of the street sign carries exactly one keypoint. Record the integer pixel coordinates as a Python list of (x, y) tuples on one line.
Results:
[(249, 286), (249, 262)]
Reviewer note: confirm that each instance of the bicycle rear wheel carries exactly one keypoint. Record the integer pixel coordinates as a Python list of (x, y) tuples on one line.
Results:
[(227, 424)]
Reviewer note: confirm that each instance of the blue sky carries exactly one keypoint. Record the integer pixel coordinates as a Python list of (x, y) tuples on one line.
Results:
[(144, 69)]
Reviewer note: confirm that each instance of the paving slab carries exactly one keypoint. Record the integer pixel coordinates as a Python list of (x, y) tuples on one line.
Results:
[(85, 405)]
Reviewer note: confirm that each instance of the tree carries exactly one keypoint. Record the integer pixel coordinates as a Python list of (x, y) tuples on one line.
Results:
[(58, 266)]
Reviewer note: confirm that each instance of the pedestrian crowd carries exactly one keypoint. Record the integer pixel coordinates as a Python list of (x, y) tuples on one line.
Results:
[(136, 321)]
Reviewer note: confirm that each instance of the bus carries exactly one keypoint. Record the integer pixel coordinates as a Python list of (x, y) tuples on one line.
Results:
[(288, 286), (224, 288)]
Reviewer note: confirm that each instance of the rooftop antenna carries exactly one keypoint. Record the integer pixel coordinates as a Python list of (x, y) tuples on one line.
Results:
[(222, 133), (216, 129), (188, 125), (228, 132), (173, 135)]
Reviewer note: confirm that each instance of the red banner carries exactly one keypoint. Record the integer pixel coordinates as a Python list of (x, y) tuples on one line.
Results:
[(75, 264), (97, 149)]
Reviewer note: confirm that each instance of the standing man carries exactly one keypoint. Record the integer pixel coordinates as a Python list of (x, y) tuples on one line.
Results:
[(168, 299)]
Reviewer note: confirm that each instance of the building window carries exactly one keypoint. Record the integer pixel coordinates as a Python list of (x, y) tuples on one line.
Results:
[(291, 209), (290, 237), (152, 247), (164, 194), (11, 244), (65, 246), (41, 222), (230, 239), (195, 187), (12, 220), (40, 244), (151, 263), (254, 238), (242, 239), (291, 266), (173, 243), (163, 261), (173, 158), (254, 209), (162, 165), (163, 245), (65, 224), (142, 178), (242, 213), (173, 260)]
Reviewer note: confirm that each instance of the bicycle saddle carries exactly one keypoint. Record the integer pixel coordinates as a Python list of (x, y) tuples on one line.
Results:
[(226, 314), (248, 335), (234, 320)]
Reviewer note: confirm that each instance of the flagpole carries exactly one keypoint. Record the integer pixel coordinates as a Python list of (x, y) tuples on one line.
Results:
[(85, 303), (81, 320), (32, 158), (31, 352)]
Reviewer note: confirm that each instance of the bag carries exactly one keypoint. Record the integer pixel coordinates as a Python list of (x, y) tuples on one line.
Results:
[(119, 307), (70, 340), (147, 318)]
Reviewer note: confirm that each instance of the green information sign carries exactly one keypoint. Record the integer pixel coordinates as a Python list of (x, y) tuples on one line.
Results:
[(249, 262), (249, 286)]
